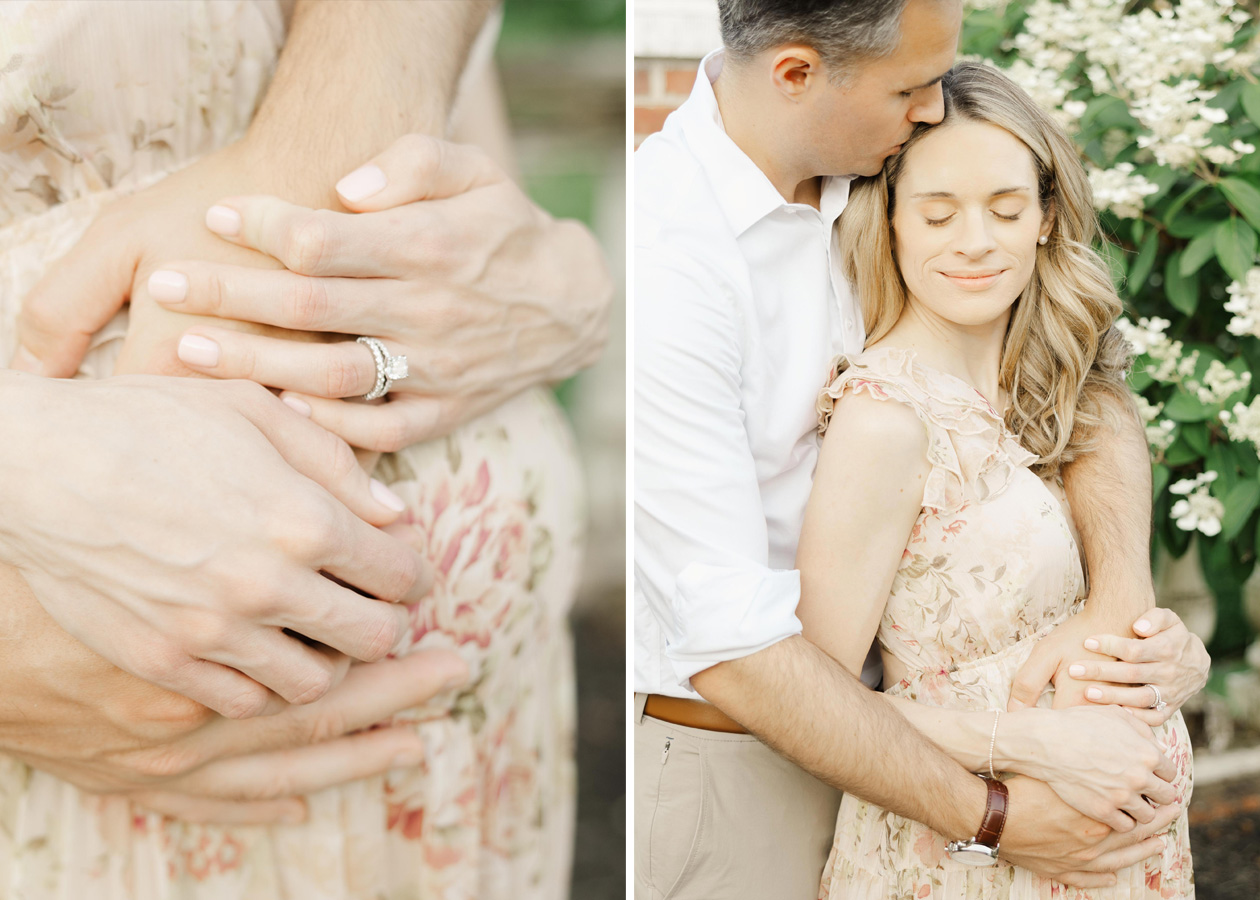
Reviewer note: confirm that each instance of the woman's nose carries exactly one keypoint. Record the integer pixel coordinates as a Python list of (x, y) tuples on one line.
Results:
[(976, 237)]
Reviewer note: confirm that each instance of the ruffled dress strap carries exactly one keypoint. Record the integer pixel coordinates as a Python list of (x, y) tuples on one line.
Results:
[(970, 449)]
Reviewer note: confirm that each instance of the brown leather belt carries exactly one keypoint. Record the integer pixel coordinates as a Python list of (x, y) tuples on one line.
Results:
[(692, 713)]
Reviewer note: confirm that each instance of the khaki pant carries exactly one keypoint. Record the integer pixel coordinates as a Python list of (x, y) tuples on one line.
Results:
[(723, 817)]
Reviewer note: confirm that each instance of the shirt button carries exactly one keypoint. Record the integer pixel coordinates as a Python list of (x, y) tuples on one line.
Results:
[(848, 323)]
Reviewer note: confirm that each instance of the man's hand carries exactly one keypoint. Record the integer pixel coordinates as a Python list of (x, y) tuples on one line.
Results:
[(1103, 763), (179, 526), (1046, 835), (447, 262), (69, 712), (1167, 655)]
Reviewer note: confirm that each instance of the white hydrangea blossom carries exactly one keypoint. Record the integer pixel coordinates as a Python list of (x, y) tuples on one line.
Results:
[(1243, 423), (1159, 432), (1244, 303), (1129, 56), (1178, 118), (1148, 339), (1198, 510), (1119, 190), (1219, 383)]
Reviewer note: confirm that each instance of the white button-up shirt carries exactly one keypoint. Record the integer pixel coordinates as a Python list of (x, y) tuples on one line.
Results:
[(738, 310)]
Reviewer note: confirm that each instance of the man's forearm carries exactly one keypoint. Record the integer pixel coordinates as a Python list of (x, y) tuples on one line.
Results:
[(354, 76), (1109, 490), (811, 710)]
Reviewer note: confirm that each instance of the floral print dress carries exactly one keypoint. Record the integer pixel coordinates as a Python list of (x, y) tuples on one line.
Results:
[(104, 98), (990, 568)]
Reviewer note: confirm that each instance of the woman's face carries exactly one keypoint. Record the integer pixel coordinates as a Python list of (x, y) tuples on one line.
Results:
[(966, 222)]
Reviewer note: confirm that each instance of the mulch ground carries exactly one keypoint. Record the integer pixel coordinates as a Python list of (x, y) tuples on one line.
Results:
[(1225, 840)]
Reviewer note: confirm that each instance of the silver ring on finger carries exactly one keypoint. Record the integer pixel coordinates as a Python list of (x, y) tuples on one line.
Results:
[(388, 368), (1160, 704)]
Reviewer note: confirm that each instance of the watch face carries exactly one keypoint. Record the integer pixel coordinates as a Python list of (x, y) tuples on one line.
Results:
[(977, 855)]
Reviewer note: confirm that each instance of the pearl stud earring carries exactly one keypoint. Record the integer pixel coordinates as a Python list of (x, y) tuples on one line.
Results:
[(1042, 240)]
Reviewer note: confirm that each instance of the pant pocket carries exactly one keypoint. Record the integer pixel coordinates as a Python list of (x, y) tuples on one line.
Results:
[(676, 826)]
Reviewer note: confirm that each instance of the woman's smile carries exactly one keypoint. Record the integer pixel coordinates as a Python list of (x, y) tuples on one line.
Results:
[(974, 281)]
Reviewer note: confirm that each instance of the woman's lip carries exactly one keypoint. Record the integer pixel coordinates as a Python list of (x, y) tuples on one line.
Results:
[(973, 282)]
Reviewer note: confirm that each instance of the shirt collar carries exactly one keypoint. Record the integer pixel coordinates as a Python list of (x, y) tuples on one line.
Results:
[(743, 191)]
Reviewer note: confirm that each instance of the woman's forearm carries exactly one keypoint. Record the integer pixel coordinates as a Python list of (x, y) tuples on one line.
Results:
[(965, 736)]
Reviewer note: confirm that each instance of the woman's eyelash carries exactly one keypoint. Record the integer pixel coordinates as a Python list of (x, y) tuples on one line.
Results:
[(1014, 218)]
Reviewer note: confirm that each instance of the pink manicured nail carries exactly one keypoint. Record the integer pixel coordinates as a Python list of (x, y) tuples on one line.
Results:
[(298, 405), (1093, 693), (26, 361), (198, 351), (1091, 644), (169, 286), (1141, 625), (1076, 671), (386, 497), (224, 221), (362, 183)]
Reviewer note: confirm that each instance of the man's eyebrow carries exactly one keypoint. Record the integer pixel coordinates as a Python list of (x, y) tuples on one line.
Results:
[(929, 195), (926, 84)]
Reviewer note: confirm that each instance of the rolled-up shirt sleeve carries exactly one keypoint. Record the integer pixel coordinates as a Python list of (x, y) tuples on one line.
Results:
[(701, 546)]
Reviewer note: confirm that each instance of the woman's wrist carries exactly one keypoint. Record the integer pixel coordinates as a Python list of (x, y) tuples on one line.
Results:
[(1024, 744)]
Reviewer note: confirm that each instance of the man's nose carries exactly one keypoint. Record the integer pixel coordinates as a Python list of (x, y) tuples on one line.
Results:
[(931, 109)]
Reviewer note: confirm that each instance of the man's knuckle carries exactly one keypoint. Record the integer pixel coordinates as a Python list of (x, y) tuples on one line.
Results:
[(380, 638), (314, 686)]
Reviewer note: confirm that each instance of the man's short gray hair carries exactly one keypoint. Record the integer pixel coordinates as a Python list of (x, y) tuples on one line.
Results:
[(843, 32)]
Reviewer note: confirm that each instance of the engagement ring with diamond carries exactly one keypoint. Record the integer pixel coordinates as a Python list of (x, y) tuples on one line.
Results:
[(388, 368)]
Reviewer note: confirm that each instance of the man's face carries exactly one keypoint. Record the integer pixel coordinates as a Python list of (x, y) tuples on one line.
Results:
[(855, 126)]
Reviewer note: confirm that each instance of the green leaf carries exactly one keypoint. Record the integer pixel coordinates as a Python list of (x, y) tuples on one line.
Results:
[(1160, 476), (1174, 208), (1240, 503), (1198, 252), (1244, 197), (1179, 454), (1144, 262), (1183, 407), (1139, 379), (1190, 225), (1182, 290), (1251, 101), (1235, 247), (1115, 261), (1196, 435)]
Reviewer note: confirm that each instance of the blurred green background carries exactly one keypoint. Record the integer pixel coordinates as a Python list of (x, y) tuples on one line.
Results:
[(563, 65)]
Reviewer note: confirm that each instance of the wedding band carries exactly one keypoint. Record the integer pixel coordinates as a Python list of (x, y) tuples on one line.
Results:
[(1159, 705), (388, 368)]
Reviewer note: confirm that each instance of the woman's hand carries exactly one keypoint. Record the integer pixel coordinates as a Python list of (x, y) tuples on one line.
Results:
[(447, 262), (1166, 655), (1049, 662), (1103, 763)]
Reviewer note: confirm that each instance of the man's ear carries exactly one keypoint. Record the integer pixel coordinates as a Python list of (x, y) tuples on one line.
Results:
[(795, 69)]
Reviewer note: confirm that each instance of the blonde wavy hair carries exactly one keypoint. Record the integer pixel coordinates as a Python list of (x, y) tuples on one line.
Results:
[(1061, 355)]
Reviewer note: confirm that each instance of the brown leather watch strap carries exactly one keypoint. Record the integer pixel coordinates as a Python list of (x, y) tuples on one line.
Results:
[(994, 813)]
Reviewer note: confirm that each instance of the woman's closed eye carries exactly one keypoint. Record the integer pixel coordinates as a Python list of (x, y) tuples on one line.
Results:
[(1014, 217)]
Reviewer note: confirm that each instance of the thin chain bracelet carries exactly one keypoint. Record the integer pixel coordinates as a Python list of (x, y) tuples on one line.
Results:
[(997, 714)]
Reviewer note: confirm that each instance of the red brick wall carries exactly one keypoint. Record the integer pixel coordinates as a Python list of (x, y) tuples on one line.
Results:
[(660, 85)]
